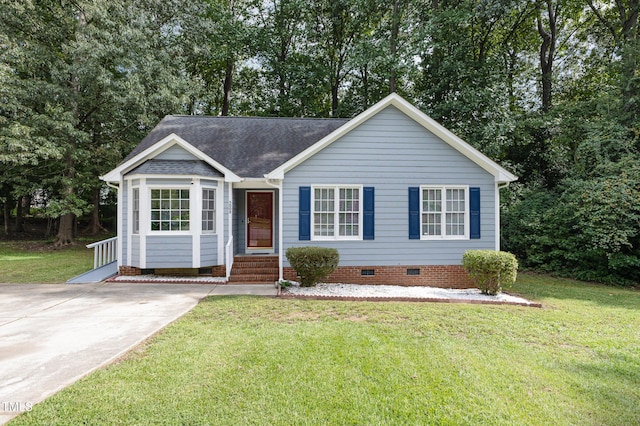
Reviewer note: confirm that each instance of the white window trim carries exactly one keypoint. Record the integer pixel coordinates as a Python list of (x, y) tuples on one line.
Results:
[(443, 219), (337, 213), (191, 230), (215, 202)]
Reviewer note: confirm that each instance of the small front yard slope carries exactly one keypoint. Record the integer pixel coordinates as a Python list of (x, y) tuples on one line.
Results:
[(263, 361)]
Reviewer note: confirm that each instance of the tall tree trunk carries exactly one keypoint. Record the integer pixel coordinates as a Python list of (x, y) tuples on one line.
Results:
[(7, 215), (19, 215), (94, 227), (66, 233), (395, 29), (547, 53), (228, 81), (65, 230), (334, 98)]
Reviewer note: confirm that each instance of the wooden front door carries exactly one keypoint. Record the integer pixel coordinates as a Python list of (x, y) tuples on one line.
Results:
[(259, 220)]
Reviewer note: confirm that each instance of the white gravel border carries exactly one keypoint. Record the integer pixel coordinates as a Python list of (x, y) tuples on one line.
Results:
[(394, 291)]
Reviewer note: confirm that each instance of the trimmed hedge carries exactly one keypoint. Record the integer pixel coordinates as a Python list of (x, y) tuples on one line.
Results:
[(490, 270), (312, 263)]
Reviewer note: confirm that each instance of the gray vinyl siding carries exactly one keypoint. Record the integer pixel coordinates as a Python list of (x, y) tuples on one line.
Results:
[(169, 182), (135, 250), (175, 153), (169, 251), (391, 153), (209, 250)]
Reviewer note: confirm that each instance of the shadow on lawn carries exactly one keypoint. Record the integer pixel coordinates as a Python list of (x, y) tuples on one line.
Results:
[(536, 287), (608, 382)]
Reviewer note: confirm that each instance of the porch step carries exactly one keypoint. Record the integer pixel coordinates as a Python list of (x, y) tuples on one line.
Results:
[(254, 269)]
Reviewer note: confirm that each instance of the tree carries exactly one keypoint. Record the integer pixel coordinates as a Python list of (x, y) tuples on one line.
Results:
[(81, 72)]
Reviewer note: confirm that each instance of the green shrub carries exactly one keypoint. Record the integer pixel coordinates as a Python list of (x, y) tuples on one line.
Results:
[(312, 263), (490, 270)]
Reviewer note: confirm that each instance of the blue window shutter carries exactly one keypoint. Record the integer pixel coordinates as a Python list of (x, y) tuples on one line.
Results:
[(414, 213), (474, 213), (304, 218), (368, 207)]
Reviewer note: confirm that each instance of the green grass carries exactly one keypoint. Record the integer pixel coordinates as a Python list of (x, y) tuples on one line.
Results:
[(38, 262), (263, 361)]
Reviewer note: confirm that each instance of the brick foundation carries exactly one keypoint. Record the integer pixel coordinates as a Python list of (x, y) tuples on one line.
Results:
[(443, 276), (216, 271), (130, 271), (219, 271)]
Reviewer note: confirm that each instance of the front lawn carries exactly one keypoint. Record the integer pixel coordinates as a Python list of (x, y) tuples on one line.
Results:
[(264, 361), (38, 262)]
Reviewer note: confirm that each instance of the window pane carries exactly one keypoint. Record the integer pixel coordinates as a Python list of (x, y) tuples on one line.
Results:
[(432, 200), (431, 224), (169, 210), (455, 211), (349, 212), (208, 210)]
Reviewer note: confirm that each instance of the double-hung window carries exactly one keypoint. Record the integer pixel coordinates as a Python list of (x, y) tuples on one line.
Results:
[(209, 210), (444, 212), (135, 210), (169, 210), (337, 213)]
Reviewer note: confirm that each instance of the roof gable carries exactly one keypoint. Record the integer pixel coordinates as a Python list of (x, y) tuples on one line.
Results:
[(500, 174), (134, 160)]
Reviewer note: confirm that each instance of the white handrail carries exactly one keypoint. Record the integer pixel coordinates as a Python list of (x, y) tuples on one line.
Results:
[(105, 251), (229, 253)]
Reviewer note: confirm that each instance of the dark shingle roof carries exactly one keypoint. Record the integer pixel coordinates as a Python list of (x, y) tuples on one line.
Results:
[(176, 167), (248, 146)]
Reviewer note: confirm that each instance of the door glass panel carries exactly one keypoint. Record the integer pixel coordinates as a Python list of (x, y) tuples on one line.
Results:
[(259, 219)]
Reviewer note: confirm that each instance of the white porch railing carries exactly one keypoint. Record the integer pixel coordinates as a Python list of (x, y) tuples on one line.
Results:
[(229, 253), (105, 251)]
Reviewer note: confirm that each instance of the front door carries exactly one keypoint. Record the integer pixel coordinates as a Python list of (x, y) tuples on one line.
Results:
[(259, 220)]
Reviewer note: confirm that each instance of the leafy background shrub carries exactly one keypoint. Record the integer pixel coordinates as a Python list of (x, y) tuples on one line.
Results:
[(586, 229), (312, 263), (491, 271)]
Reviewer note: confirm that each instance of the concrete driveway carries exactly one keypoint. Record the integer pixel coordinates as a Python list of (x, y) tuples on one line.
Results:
[(52, 335)]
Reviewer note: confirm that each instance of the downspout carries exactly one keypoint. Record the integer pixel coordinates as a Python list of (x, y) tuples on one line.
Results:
[(280, 221)]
